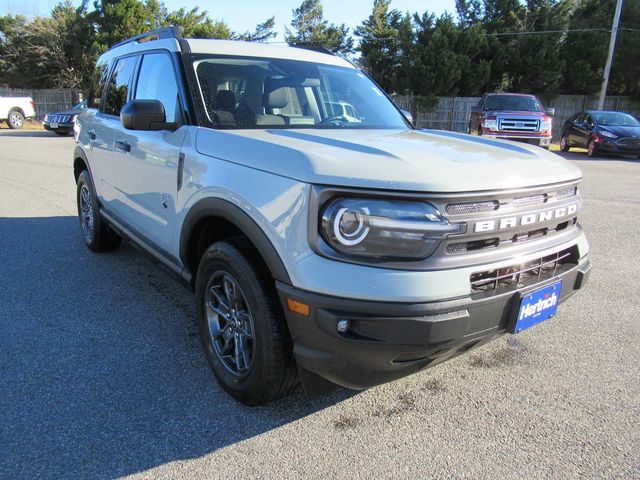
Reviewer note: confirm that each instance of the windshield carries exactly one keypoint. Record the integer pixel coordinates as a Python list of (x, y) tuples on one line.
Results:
[(615, 118), (80, 106), (513, 102), (242, 92)]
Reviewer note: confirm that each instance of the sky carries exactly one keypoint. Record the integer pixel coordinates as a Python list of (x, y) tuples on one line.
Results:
[(243, 15)]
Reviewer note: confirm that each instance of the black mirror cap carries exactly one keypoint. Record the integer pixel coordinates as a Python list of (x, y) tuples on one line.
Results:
[(145, 115), (550, 111)]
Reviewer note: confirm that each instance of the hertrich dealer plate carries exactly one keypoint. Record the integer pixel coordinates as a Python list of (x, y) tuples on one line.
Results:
[(538, 306)]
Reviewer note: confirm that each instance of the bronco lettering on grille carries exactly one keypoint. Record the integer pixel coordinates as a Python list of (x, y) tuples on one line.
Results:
[(527, 219)]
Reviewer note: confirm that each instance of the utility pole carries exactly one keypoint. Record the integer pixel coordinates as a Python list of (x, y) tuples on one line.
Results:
[(612, 47)]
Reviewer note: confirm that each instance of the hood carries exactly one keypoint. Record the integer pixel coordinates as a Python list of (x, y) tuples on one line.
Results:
[(71, 111), (621, 131), (422, 161)]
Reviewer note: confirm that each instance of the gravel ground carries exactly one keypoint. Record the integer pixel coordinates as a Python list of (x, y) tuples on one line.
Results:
[(102, 373)]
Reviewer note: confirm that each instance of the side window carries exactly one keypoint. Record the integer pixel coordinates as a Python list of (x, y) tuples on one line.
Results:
[(97, 86), (119, 85), (157, 81)]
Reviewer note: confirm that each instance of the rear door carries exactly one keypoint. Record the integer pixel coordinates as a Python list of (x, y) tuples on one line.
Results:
[(147, 170), (108, 126)]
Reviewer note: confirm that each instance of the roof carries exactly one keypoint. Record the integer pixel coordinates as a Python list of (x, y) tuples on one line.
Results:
[(263, 50), (226, 47), (512, 94)]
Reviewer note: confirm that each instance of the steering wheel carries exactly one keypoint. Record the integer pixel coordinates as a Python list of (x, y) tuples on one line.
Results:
[(334, 120)]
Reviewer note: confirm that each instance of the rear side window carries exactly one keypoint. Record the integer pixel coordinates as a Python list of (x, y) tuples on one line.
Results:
[(119, 84), (157, 81), (97, 86)]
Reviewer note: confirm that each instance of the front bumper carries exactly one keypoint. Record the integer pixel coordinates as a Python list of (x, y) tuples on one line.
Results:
[(530, 139), (60, 127), (613, 147), (387, 341)]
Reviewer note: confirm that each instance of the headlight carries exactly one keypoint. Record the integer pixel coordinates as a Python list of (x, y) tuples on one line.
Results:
[(545, 125), (46, 117), (604, 133), (384, 228), (491, 124)]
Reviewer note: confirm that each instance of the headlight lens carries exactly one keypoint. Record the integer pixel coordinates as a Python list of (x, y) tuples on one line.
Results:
[(546, 125), (604, 133), (384, 228), (491, 124)]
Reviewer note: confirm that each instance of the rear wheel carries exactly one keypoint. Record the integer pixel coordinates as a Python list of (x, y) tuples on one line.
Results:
[(15, 120), (564, 144), (96, 233), (592, 148), (242, 325)]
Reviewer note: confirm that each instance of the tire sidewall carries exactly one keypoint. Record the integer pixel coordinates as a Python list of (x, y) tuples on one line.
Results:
[(225, 257), (84, 179), (13, 113)]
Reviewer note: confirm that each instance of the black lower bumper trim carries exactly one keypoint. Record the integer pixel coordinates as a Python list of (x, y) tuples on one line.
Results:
[(386, 341)]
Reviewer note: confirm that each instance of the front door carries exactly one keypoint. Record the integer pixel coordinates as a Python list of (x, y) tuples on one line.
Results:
[(147, 169)]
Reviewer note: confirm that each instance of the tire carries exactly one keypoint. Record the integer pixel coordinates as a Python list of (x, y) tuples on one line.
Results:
[(564, 144), (62, 133), (592, 149), (15, 120), (97, 235), (256, 325)]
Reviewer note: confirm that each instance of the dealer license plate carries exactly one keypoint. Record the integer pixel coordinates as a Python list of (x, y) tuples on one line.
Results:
[(53, 125), (538, 306)]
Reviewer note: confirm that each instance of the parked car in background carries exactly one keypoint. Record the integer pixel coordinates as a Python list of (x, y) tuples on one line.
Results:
[(602, 131), (512, 116), (14, 110), (62, 122)]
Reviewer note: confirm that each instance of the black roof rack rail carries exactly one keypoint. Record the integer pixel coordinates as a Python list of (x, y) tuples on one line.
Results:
[(315, 47), (160, 33)]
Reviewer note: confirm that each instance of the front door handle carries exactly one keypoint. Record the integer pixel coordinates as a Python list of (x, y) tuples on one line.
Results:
[(123, 145), (92, 134)]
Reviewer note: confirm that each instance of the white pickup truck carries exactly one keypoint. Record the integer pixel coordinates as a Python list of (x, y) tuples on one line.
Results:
[(14, 110)]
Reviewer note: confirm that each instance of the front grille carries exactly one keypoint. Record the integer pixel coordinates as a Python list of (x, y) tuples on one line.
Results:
[(518, 124), (471, 207), (525, 274), (629, 142), (58, 118)]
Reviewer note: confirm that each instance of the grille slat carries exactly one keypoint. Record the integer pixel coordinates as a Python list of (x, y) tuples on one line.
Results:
[(520, 275), (518, 124)]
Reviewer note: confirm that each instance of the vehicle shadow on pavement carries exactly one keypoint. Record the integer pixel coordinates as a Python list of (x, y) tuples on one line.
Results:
[(577, 155), (28, 133), (103, 374)]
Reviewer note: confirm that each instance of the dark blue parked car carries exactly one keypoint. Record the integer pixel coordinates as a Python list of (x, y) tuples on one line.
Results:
[(602, 131)]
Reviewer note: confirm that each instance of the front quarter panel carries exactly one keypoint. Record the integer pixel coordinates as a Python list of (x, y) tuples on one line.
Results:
[(278, 205)]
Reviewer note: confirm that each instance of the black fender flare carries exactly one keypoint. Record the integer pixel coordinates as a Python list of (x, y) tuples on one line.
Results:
[(219, 207)]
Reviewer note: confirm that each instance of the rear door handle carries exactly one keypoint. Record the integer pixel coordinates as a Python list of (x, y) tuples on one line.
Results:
[(92, 134), (123, 145)]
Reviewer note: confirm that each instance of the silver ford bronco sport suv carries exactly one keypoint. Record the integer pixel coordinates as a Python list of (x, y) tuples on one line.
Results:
[(327, 240)]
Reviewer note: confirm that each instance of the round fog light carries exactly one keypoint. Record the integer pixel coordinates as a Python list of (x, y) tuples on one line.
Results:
[(342, 326)]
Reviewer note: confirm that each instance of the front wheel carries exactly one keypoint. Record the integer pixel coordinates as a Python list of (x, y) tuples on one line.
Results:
[(242, 325), (592, 148), (564, 144), (15, 120), (96, 233)]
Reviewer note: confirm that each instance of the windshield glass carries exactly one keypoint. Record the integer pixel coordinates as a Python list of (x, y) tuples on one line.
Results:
[(80, 106), (242, 92), (513, 102), (615, 118)]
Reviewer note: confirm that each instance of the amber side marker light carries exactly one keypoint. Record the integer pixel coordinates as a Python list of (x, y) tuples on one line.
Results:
[(298, 307)]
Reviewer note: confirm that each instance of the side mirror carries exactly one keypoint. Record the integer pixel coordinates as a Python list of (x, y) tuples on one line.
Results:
[(407, 115), (475, 109), (145, 115), (550, 111)]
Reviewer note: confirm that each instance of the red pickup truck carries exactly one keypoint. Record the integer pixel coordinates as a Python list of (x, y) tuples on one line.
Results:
[(512, 116)]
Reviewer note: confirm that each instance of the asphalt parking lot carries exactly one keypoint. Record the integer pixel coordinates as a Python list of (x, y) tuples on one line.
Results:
[(102, 373)]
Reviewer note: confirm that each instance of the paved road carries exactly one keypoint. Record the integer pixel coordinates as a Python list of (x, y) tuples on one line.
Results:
[(102, 374)]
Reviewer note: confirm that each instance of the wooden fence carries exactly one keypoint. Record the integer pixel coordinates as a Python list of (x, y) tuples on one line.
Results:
[(46, 100), (452, 113)]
